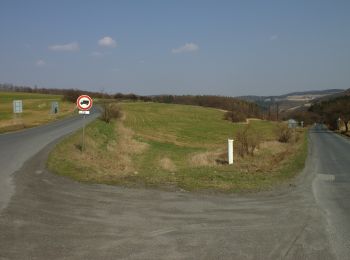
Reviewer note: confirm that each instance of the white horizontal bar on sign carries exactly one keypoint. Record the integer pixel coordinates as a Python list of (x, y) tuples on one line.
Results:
[(81, 112)]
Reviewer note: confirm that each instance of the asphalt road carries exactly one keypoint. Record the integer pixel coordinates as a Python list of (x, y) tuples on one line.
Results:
[(331, 163), (18, 147), (51, 217)]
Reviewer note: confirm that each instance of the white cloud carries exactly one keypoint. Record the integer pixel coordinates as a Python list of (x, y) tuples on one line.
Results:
[(73, 46), (96, 54), (273, 37), (141, 61), (188, 47), (107, 42), (40, 63)]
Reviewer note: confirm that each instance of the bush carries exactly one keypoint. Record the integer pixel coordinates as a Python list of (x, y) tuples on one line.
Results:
[(110, 111), (235, 116), (284, 134), (71, 95), (247, 140)]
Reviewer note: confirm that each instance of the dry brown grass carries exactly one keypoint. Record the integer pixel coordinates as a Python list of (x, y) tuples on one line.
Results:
[(118, 160), (274, 147), (167, 164), (34, 115), (208, 158), (268, 155)]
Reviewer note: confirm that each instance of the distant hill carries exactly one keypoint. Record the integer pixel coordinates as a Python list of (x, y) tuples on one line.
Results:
[(293, 100), (307, 109)]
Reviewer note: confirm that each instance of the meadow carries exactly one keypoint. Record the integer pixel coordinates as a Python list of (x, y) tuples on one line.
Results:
[(177, 147), (36, 110)]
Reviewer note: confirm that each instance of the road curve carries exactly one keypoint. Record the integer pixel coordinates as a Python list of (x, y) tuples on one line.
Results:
[(18, 147), (51, 217)]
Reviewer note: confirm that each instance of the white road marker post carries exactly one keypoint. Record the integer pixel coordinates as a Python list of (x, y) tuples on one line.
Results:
[(230, 151)]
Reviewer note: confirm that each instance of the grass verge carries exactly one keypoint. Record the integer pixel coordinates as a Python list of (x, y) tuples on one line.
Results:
[(173, 147), (36, 110)]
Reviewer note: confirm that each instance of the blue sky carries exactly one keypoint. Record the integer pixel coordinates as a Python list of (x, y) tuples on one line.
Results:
[(176, 47)]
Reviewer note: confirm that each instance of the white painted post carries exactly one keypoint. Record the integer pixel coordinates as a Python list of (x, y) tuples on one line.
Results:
[(230, 151)]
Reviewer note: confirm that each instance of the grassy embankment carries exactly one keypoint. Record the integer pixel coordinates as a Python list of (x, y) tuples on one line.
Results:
[(175, 146), (36, 110)]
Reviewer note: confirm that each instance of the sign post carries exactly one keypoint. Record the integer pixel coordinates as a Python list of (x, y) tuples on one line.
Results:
[(54, 107), (17, 109), (84, 103), (17, 106)]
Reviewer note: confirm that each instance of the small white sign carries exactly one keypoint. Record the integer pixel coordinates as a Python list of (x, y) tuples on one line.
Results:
[(17, 106), (81, 112)]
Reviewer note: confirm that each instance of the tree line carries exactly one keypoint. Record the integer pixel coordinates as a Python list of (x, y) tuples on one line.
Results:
[(332, 112), (236, 110)]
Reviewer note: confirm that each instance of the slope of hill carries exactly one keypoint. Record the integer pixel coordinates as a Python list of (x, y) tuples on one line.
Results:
[(292, 100)]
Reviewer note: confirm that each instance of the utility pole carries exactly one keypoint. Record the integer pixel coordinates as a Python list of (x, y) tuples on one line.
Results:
[(277, 110)]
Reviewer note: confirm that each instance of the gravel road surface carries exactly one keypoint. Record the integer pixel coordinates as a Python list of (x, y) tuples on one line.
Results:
[(45, 216)]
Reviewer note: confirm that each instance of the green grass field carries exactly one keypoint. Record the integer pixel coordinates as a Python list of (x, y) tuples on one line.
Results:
[(185, 125), (175, 146), (36, 110)]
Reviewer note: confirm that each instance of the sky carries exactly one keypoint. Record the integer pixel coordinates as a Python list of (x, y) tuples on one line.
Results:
[(229, 48)]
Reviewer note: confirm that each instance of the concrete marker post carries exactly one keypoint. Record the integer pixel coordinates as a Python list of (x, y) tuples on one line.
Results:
[(230, 151)]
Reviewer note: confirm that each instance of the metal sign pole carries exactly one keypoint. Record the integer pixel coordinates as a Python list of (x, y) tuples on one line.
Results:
[(82, 146), (84, 103)]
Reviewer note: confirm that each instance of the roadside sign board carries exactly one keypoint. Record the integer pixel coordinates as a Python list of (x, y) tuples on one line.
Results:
[(17, 106), (84, 102), (54, 107), (292, 123)]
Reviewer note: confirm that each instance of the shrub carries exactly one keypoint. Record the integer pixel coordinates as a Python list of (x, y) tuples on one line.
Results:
[(71, 95), (284, 134), (234, 116), (110, 111), (247, 140)]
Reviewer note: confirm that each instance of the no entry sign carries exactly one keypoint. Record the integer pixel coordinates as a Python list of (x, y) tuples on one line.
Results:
[(84, 102)]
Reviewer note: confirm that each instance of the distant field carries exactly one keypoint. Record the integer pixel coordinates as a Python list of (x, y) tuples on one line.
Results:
[(176, 146), (36, 110), (184, 125)]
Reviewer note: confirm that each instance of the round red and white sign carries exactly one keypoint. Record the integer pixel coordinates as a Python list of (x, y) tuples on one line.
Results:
[(84, 102)]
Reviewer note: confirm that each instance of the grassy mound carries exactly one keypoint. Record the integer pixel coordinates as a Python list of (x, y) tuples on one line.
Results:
[(176, 146)]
